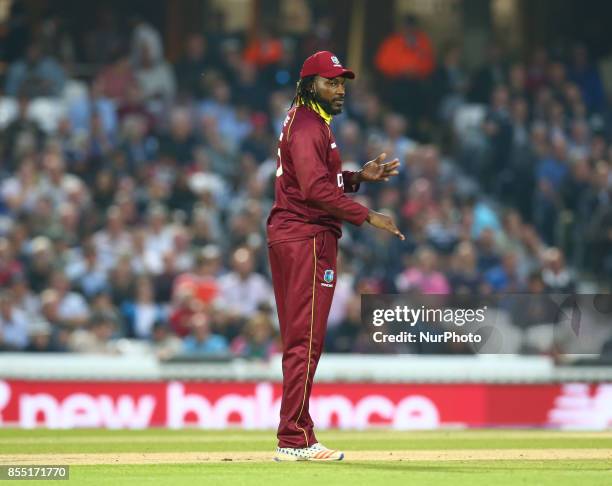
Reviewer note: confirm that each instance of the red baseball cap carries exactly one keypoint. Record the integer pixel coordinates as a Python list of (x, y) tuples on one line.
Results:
[(326, 64)]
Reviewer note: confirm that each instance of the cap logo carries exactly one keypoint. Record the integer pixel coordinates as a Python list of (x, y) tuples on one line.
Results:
[(335, 61)]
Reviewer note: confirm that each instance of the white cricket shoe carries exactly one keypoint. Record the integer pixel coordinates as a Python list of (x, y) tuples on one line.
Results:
[(316, 452)]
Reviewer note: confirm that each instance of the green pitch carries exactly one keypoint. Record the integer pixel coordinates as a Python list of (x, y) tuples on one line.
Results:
[(234, 457)]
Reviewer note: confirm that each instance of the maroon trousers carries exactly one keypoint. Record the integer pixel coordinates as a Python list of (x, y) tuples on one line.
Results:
[(304, 278)]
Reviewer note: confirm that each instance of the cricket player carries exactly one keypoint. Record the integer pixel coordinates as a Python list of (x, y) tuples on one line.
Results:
[(303, 230)]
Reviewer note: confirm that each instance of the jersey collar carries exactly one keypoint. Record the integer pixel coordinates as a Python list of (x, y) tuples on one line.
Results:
[(321, 112), (318, 109)]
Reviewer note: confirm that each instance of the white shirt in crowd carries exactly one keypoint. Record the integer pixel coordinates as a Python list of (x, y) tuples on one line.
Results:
[(72, 306), (243, 296)]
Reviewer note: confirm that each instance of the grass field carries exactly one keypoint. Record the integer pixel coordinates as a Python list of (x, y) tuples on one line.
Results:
[(450, 458)]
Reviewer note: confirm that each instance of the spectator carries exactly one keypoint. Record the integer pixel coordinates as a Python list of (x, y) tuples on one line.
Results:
[(134, 104), (248, 89), (22, 296), (138, 148), (142, 313), (185, 305), (516, 184), (20, 191), (407, 53), (122, 280), (203, 282), (243, 290), (41, 338), (264, 49), (159, 235), (587, 77), (35, 76), (344, 337), (258, 340), (180, 142), (220, 119), (202, 342), (498, 131), (257, 143), (146, 42), (492, 73), (164, 281), (112, 240), (87, 273), (420, 201), (40, 265), (57, 184), (424, 277), (96, 337), (449, 84), (350, 141), (117, 78), (406, 61), (13, 325), (555, 276), (72, 308), (537, 75), (505, 277), (20, 137), (517, 81), (464, 277), (102, 303), (192, 67), (550, 175), (10, 267), (534, 307), (396, 140), (165, 344), (155, 77)]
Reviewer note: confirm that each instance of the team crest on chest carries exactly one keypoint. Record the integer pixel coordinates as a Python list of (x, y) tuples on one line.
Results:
[(328, 276)]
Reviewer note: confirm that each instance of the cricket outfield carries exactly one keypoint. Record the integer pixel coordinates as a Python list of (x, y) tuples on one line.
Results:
[(235, 457)]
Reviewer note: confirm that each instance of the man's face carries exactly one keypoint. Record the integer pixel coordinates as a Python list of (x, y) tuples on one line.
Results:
[(329, 93)]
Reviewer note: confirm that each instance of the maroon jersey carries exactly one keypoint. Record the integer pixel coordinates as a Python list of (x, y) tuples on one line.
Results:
[(310, 188)]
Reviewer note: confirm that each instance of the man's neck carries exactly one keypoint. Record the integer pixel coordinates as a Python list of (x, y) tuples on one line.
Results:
[(319, 110)]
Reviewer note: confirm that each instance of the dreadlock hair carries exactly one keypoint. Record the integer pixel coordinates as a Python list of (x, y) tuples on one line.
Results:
[(303, 92)]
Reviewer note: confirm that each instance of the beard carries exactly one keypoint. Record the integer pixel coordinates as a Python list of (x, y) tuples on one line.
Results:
[(327, 106)]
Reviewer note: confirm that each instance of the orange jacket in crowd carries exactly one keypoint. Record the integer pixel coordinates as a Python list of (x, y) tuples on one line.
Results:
[(262, 53), (395, 57)]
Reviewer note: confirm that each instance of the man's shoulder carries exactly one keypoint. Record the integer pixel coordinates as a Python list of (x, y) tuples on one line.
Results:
[(305, 120)]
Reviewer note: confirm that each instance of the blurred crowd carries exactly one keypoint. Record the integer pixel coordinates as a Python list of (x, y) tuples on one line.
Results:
[(133, 202)]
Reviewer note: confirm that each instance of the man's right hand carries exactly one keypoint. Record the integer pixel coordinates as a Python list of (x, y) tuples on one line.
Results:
[(382, 221)]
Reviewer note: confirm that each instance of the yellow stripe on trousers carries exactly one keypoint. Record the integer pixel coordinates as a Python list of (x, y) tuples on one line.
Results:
[(314, 279)]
